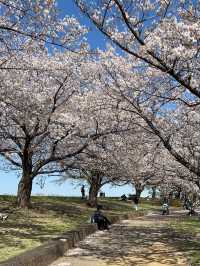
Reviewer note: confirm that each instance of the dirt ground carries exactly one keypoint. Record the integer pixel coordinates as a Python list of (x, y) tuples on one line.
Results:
[(145, 241)]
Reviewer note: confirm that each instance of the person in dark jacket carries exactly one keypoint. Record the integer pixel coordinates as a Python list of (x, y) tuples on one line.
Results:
[(100, 219), (135, 202), (83, 191), (123, 197)]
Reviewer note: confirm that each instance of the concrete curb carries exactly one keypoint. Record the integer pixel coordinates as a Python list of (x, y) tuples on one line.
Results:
[(56, 247)]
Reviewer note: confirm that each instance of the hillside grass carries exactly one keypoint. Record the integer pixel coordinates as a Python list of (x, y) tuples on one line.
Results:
[(49, 217)]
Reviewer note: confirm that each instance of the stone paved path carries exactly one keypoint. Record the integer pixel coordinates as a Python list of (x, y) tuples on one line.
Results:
[(145, 241)]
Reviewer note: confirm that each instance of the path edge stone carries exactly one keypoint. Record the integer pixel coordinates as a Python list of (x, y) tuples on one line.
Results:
[(45, 254)]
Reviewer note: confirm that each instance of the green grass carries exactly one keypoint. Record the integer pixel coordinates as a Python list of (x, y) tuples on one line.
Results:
[(189, 224), (189, 229), (48, 217)]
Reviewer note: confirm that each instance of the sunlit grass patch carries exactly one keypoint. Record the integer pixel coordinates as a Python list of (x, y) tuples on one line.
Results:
[(48, 217), (189, 230), (189, 224)]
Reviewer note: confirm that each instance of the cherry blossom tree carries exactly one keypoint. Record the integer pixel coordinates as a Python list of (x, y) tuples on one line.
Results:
[(41, 56), (118, 158), (135, 159), (98, 163), (175, 179), (25, 21), (42, 122), (160, 80), (174, 126), (53, 106)]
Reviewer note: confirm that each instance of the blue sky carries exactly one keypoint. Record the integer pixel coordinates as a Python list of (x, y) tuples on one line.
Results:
[(9, 180), (95, 37)]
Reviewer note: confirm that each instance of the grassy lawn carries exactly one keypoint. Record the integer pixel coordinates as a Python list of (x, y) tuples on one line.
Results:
[(48, 217), (188, 229)]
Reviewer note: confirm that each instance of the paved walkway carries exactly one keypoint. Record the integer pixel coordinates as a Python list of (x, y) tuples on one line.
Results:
[(145, 241)]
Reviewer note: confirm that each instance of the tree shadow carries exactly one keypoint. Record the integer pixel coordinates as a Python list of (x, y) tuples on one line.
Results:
[(25, 229), (143, 243)]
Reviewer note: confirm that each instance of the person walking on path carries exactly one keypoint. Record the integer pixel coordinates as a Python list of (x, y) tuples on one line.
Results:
[(83, 192), (135, 202), (165, 209)]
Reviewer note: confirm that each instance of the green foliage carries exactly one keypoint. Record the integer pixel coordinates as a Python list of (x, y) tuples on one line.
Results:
[(188, 225)]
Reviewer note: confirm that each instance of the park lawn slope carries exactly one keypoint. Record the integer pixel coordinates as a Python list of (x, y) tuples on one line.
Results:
[(48, 217)]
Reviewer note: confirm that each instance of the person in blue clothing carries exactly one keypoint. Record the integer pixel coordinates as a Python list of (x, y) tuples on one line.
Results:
[(100, 219)]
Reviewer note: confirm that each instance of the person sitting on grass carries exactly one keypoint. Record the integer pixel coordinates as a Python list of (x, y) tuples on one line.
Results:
[(100, 219), (123, 197)]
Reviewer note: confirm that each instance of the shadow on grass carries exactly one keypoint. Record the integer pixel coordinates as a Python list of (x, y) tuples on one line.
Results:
[(47, 218)]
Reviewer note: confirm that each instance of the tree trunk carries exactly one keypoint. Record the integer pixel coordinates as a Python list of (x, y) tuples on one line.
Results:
[(24, 191), (25, 184), (170, 196), (178, 194), (153, 196), (93, 192), (95, 185), (138, 190)]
